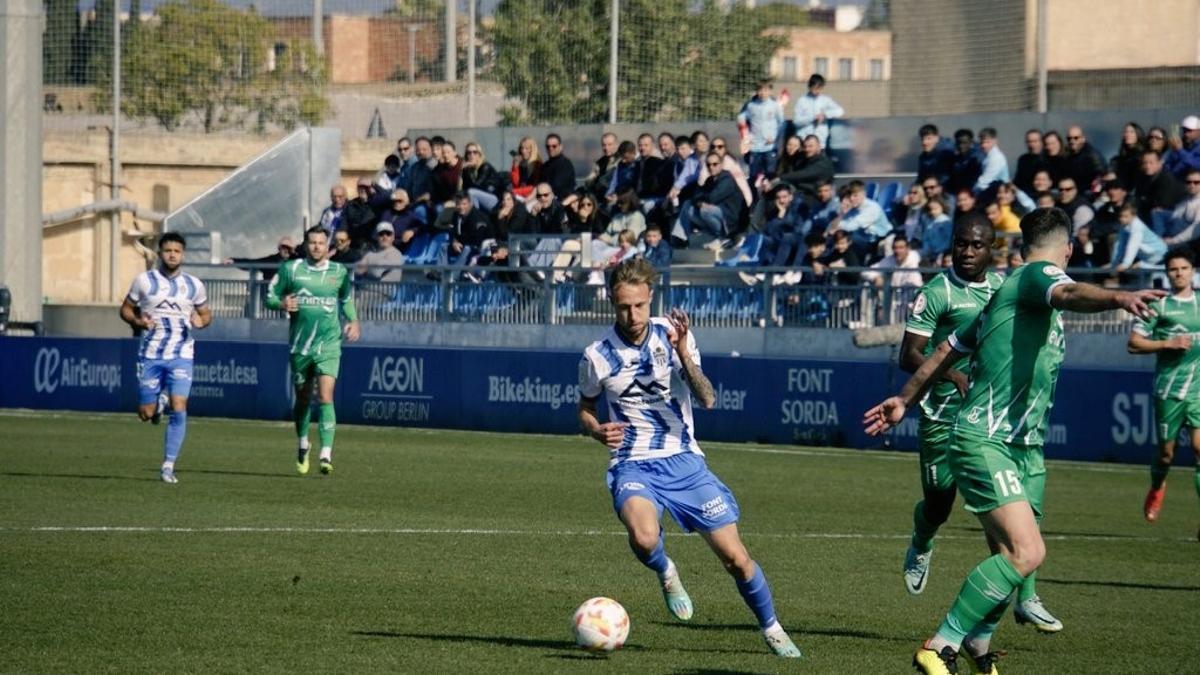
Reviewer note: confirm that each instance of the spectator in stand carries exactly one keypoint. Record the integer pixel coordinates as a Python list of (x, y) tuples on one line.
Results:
[(814, 253), (269, 264), (655, 249), (549, 216), (627, 214), (526, 170), (814, 168), (1185, 152), (384, 261), (1003, 223), (825, 209), (420, 177), (759, 122), (1085, 163), (480, 179), (436, 144), (344, 251), (937, 155), (1102, 234), (510, 216), (557, 170), (1137, 244), (994, 168), (719, 204), (968, 162), (903, 261), (624, 176), (1085, 253), (447, 177), (333, 215), (730, 166), (700, 143), (786, 226), (1156, 139), (361, 214), (908, 213), (1058, 165), (1158, 192), (405, 219), (964, 203), (666, 145), (863, 219), (469, 229), (843, 255), (1074, 204), (1031, 162), (933, 188), (1013, 200), (685, 171), (650, 183), (389, 180), (1185, 219), (792, 155), (938, 231), (583, 215), (1127, 163), (404, 149), (598, 180), (814, 110), (1043, 181), (1046, 200)]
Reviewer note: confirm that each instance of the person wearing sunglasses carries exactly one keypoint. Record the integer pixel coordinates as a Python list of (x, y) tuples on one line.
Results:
[(1185, 152), (549, 216), (1185, 219), (1084, 162), (480, 179), (558, 170), (718, 205)]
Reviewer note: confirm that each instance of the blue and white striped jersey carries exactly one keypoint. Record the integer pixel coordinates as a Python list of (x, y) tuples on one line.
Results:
[(644, 388), (170, 301)]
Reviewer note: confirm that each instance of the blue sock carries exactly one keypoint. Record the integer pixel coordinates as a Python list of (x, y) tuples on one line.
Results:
[(757, 595), (657, 560), (176, 428)]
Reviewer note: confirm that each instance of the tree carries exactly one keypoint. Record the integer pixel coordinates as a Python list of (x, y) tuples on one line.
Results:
[(204, 58), (61, 33), (677, 60)]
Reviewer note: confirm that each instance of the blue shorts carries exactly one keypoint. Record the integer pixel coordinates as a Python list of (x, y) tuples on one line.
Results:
[(154, 374), (682, 485)]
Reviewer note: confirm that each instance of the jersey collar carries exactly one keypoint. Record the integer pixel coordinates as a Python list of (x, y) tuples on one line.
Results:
[(963, 282), (1179, 297), (323, 266)]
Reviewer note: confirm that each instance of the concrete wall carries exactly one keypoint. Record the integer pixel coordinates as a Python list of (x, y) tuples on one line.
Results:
[(1088, 35), (805, 45)]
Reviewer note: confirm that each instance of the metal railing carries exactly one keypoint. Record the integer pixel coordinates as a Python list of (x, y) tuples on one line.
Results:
[(714, 297)]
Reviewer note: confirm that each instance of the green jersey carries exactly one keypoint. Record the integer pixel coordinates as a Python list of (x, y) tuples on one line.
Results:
[(1017, 345), (943, 305), (315, 328), (1175, 370)]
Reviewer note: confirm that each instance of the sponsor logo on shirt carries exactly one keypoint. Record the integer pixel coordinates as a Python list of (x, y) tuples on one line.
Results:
[(714, 507), (1053, 271), (631, 485)]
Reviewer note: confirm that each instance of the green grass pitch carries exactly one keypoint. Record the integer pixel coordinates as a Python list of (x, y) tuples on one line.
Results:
[(452, 552)]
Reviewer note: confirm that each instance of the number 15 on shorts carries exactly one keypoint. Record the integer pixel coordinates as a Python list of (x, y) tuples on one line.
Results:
[(1007, 482)]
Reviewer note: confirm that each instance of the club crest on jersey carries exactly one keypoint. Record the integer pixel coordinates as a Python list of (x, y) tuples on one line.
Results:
[(919, 304), (660, 356), (1053, 271), (973, 418)]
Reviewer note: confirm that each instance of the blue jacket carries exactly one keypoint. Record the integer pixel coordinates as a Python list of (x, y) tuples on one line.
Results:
[(1138, 243), (659, 256), (765, 119), (1185, 159), (939, 162)]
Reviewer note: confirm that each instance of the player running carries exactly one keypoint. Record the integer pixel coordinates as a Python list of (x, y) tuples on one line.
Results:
[(1017, 346), (1170, 335), (648, 370), (166, 304), (312, 290), (949, 301)]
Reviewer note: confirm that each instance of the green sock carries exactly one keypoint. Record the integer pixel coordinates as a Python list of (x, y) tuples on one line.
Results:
[(301, 415), (1197, 479), (1158, 474), (980, 638), (1028, 588), (989, 584), (923, 532), (328, 425)]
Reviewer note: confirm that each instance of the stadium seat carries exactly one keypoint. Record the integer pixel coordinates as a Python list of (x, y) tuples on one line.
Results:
[(747, 254), (888, 196), (872, 188)]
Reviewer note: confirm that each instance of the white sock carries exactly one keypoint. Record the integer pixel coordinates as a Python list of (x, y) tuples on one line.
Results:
[(326, 454), (671, 572), (774, 627), (304, 442), (168, 466)]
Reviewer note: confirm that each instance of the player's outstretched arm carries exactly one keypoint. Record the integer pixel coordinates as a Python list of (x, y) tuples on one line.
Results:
[(1081, 297), (889, 413), (700, 385), (1140, 344), (611, 434)]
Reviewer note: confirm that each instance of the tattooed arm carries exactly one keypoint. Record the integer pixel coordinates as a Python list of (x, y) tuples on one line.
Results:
[(701, 388)]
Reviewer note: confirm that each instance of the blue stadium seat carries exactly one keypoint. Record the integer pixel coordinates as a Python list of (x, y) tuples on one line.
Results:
[(888, 196), (416, 249), (747, 254), (871, 189)]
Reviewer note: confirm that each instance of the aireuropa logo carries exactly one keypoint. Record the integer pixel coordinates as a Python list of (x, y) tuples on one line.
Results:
[(51, 371)]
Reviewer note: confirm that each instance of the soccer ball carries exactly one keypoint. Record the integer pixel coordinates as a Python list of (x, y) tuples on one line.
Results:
[(600, 625)]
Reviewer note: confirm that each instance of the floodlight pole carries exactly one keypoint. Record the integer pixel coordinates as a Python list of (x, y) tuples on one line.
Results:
[(318, 20), (115, 160), (471, 63), (612, 61), (451, 40), (1042, 40)]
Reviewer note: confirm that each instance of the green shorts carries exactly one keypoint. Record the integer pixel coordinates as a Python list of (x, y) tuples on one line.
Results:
[(990, 474), (936, 441), (305, 366), (1171, 414)]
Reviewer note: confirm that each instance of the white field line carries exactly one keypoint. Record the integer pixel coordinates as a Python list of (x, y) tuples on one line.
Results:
[(835, 453), (485, 532)]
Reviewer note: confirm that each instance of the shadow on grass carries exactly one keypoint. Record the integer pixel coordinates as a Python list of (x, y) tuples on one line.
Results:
[(797, 632), (1119, 584), (502, 640), (227, 472), (1055, 533), (23, 474)]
